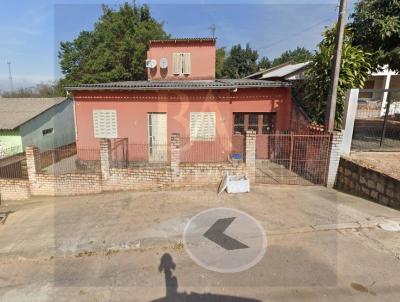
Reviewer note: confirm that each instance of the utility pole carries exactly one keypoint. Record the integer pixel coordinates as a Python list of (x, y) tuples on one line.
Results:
[(10, 77), (332, 95), (212, 28)]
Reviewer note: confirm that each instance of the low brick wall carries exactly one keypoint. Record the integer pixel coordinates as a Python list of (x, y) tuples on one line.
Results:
[(193, 175), (14, 189), (362, 181), (137, 179), (66, 184)]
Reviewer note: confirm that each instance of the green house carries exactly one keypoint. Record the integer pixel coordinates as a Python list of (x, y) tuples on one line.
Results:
[(43, 122)]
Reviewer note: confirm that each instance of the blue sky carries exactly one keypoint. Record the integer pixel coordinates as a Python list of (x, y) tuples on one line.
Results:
[(30, 30)]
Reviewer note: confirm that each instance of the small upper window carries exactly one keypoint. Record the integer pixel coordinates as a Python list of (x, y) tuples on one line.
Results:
[(47, 131), (181, 63)]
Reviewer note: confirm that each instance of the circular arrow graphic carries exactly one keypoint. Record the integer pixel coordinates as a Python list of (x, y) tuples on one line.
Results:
[(216, 234), (225, 240)]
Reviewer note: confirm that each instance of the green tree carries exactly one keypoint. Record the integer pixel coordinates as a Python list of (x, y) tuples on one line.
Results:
[(43, 90), (298, 55), (240, 62), (354, 71), (376, 25), (115, 50), (264, 63), (219, 62)]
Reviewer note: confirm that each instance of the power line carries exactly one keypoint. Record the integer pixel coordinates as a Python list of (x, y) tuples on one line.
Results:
[(296, 33)]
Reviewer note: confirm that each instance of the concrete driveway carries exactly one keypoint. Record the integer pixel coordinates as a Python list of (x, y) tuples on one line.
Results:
[(322, 246)]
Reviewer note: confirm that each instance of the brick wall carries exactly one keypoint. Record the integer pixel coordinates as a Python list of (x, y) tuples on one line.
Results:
[(111, 179), (362, 181), (137, 179), (65, 184), (250, 156), (14, 189), (193, 175)]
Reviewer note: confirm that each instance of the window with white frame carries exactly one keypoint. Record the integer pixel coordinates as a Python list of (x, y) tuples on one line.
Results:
[(181, 63), (105, 123), (202, 126)]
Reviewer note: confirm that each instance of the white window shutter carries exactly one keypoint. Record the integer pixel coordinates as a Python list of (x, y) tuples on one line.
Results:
[(177, 63), (202, 126), (105, 124), (187, 63)]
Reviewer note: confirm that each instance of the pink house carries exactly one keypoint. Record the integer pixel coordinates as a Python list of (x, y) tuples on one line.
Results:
[(181, 96)]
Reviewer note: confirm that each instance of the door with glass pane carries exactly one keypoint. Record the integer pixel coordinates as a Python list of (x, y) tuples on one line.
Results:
[(157, 132)]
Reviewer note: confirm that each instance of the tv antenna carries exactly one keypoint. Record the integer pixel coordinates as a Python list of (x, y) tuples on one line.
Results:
[(212, 28), (10, 77)]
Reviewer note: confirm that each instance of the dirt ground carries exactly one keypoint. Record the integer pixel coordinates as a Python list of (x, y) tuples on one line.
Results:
[(384, 162), (322, 246)]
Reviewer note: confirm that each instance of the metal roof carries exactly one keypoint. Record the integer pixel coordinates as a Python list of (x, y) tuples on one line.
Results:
[(180, 85), (279, 71), (16, 111), (184, 40), (283, 71)]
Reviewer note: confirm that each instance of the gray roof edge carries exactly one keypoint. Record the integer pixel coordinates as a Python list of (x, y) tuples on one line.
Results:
[(218, 85)]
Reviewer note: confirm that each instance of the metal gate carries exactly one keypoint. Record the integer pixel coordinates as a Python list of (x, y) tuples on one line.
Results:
[(377, 123), (292, 158)]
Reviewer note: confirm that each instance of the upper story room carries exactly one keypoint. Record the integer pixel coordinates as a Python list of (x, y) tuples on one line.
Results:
[(181, 59)]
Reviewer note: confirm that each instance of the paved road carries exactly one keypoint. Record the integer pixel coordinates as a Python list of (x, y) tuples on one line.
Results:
[(322, 246)]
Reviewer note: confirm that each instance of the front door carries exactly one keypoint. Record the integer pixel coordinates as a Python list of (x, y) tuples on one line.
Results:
[(157, 130)]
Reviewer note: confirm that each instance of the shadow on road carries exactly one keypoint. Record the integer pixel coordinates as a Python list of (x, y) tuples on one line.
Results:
[(167, 266)]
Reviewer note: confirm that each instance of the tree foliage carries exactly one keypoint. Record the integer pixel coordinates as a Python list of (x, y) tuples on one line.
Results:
[(298, 55), (354, 71), (40, 90), (376, 25), (240, 62), (219, 62), (116, 48), (264, 63)]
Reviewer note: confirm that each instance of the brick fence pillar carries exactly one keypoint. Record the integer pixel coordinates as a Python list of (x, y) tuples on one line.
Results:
[(105, 157), (33, 164), (175, 154), (334, 157), (251, 154)]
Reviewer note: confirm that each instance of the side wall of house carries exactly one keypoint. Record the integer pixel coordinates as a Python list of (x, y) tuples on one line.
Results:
[(133, 107), (60, 118), (10, 138)]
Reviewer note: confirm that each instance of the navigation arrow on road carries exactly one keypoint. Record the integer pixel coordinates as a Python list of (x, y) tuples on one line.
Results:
[(216, 234)]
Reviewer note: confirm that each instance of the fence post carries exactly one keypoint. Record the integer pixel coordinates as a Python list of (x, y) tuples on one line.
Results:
[(33, 164), (105, 157), (350, 112), (251, 154), (175, 154), (334, 157), (291, 150)]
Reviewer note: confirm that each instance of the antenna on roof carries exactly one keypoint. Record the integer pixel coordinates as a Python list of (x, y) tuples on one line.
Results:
[(212, 28), (10, 77)]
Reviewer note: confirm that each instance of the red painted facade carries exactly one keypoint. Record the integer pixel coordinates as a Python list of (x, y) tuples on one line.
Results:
[(202, 59), (132, 109), (133, 106)]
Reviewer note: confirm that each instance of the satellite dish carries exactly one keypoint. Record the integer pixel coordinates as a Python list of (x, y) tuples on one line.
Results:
[(153, 63), (164, 63)]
